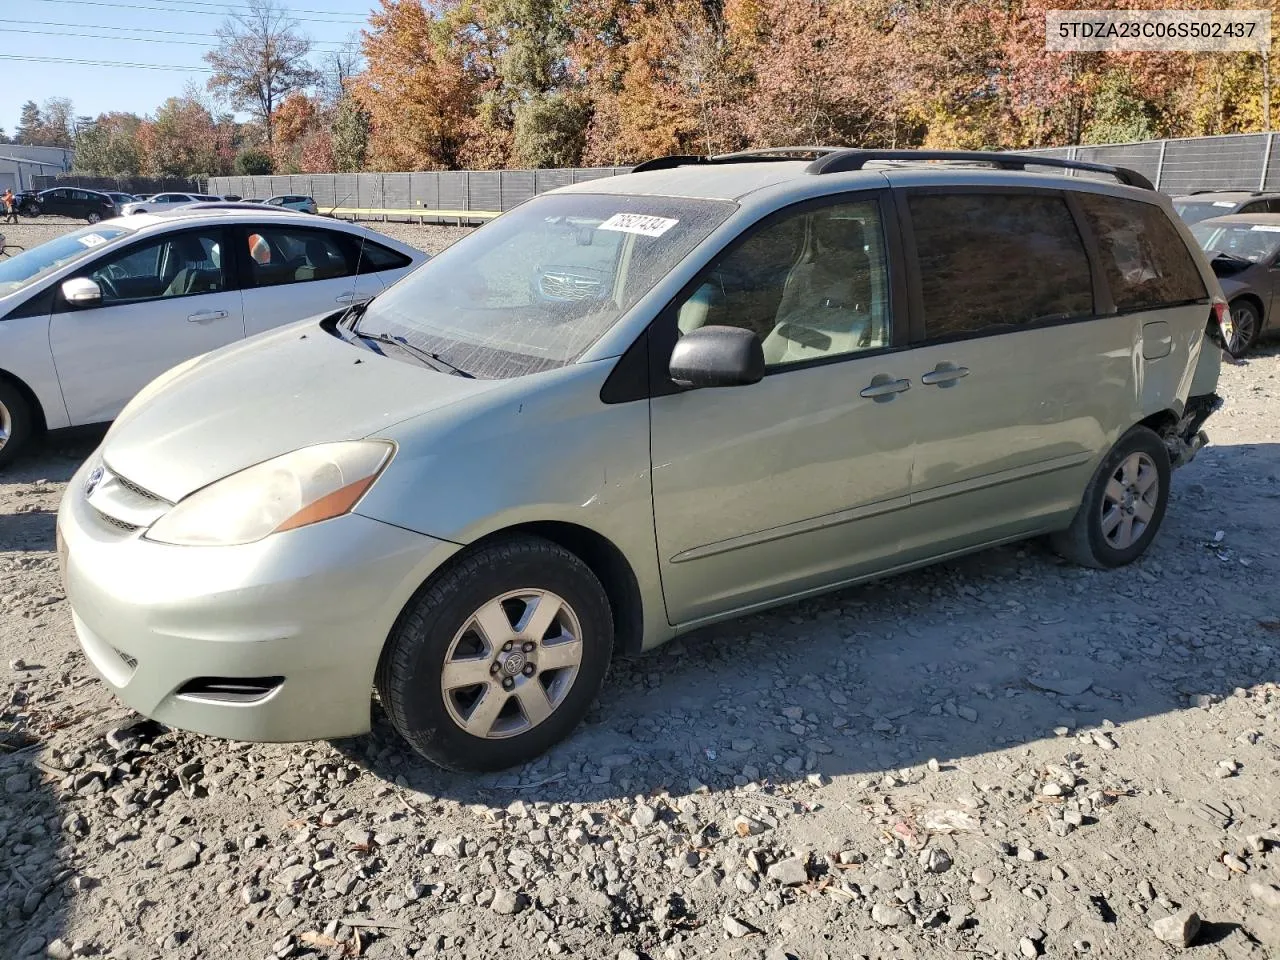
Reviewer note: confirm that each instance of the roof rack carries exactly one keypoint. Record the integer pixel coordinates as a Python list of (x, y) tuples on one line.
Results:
[(842, 159)]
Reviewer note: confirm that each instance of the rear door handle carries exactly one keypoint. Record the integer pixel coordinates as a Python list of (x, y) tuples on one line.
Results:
[(206, 315), (944, 375), (882, 387)]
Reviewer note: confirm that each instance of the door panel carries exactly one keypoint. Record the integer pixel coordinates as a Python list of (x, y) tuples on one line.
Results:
[(164, 301), (796, 482)]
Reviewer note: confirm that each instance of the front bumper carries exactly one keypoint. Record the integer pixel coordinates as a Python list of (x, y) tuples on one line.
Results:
[(309, 609)]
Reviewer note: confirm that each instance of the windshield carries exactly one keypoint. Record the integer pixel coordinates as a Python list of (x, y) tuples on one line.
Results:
[(1193, 211), (533, 289), (1247, 241), (31, 265)]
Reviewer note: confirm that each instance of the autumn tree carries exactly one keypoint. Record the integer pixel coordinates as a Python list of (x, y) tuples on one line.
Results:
[(260, 59), (185, 140), (350, 135), (416, 90), (109, 147)]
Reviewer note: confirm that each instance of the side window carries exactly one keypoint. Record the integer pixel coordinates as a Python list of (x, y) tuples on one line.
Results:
[(1273, 205), (294, 255), (79, 195), (811, 284), (174, 266), (1256, 206), (1146, 262), (375, 257), (991, 260)]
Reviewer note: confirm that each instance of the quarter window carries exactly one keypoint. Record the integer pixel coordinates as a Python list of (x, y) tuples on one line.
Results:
[(989, 261), (812, 284), (375, 257), (1146, 262)]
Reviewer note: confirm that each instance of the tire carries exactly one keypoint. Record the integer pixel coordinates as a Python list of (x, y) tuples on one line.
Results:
[(17, 425), (1248, 326), (1096, 538), (30, 210), (441, 623), (93, 216)]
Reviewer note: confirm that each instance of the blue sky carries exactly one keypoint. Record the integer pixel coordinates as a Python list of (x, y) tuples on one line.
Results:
[(135, 32)]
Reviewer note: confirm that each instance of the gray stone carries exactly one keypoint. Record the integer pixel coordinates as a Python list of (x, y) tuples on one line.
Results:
[(290, 877), (452, 847), (888, 916), (1027, 947), (1179, 928), (983, 876), (1266, 893), (736, 928), (17, 783), (184, 858), (745, 826), (790, 872), (644, 816), (507, 902), (935, 860), (59, 950)]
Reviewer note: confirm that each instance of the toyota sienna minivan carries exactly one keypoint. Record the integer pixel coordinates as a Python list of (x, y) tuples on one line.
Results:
[(630, 408)]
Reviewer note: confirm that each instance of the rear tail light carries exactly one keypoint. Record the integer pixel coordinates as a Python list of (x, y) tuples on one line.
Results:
[(1221, 330)]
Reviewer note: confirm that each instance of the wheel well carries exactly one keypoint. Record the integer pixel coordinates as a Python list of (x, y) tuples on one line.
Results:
[(1160, 423), (37, 411), (608, 564), (1256, 303)]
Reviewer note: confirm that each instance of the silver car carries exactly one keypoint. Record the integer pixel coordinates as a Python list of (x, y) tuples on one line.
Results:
[(627, 409)]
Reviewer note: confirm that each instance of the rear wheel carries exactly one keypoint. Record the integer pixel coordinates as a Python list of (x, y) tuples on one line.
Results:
[(93, 216), (1123, 505), (498, 658), (1248, 325), (16, 422)]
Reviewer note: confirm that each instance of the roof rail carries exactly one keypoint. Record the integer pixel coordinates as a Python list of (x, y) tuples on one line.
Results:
[(840, 161), (742, 156)]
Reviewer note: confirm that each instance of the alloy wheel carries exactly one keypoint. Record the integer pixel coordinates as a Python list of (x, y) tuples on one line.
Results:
[(1244, 324), (6, 425), (1129, 500), (512, 663)]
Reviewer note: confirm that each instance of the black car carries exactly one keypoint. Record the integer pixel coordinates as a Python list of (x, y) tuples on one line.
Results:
[(74, 202), (1244, 251)]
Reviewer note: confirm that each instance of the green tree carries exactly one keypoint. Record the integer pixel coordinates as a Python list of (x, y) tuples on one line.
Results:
[(350, 136), (1119, 115), (253, 162), (551, 129), (109, 146), (30, 124)]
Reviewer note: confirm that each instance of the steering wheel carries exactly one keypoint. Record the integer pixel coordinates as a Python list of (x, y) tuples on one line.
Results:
[(103, 280), (116, 272)]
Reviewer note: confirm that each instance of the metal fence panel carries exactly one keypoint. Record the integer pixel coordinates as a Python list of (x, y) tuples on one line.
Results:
[(544, 180), (453, 190), (1214, 163), (425, 190), (514, 188), (397, 191), (485, 190)]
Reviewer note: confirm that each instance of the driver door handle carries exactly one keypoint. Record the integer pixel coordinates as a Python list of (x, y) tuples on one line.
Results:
[(206, 316), (944, 375), (882, 386)]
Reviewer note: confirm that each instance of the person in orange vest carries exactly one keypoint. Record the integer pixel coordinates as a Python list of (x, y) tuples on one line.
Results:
[(10, 203)]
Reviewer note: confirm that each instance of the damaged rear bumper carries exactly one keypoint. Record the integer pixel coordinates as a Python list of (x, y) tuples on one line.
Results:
[(1185, 438)]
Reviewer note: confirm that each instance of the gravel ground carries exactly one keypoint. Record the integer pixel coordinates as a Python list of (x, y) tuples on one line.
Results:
[(1003, 756)]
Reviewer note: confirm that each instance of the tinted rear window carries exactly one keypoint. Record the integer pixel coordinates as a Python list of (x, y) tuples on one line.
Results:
[(1146, 263), (989, 260)]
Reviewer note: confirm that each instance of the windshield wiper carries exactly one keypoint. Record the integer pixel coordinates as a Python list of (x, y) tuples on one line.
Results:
[(1222, 255), (353, 313), (433, 360)]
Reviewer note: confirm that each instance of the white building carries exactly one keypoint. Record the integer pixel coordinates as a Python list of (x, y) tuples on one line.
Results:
[(19, 163)]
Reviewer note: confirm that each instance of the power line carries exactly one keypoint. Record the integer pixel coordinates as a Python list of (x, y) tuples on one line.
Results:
[(105, 63), (207, 13), (94, 26)]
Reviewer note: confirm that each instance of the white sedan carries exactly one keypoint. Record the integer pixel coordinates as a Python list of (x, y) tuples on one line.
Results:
[(88, 319)]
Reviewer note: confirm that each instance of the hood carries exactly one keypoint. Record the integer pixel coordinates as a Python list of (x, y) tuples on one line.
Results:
[(264, 397)]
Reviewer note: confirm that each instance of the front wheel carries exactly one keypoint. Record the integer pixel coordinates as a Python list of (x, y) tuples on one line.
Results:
[(499, 657), (16, 423), (30, 210), (1123, 505), (1247, 324), (93, 216)]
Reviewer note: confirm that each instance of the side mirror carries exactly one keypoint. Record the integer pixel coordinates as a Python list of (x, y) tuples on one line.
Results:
[(717, 357), (82, 292)]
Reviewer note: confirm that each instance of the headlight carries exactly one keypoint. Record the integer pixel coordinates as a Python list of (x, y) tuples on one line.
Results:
[(297, 489)]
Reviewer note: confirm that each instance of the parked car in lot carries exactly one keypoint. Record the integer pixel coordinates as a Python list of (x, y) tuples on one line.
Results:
[(292, 202), (629, 408), (120, 199), (1203, 204), (1244, 251), (165, 201), (74, 202), (89, 318)]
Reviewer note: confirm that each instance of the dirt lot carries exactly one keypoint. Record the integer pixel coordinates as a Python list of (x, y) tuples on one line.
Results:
[(1004, 756)]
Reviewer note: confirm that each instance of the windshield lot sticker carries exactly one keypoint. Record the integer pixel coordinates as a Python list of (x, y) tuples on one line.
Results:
[(92, 240), (1224, 203), (640, 223), (1265, 228)]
